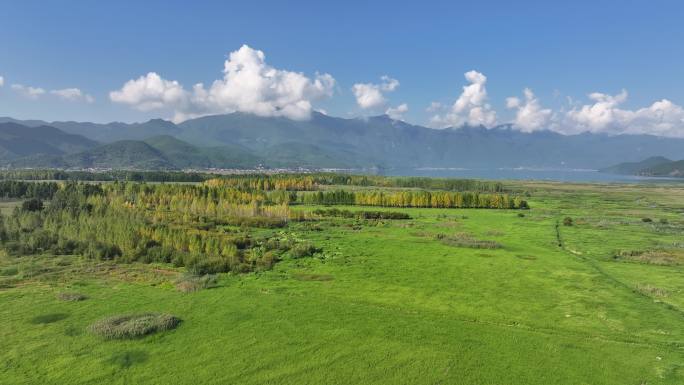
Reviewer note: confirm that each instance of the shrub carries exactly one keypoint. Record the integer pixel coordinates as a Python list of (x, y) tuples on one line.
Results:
[(102, 251), (191, 283), (652, 290), (71, 297), (663, 221), (567, 221), (652, 257), (32, 205), (133, 325), (199, 264), (467, 240), (646, 220), (333, 212), (302, 250), (521, 215)]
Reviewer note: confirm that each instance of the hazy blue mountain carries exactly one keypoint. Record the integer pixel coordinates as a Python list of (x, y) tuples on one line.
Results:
[(391, 143), (18, 141), (109, 132), (325, 141), (159, 152), (635, 168)]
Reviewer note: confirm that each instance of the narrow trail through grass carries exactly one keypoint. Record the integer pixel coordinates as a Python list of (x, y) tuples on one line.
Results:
[(618, 283)]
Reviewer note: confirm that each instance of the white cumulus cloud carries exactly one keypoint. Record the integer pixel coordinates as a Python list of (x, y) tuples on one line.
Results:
[(2, 81), (471, 107), (530, 116), (150, 92), (248, 85), (397, 113), (604, 115), (371, 95), (29, 92), (73, 94)]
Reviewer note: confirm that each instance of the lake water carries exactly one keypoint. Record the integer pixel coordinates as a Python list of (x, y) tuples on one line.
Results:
[(560, 175)]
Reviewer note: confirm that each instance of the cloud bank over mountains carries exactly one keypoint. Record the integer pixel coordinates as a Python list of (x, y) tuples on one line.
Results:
[(601, 115), (249, 84)]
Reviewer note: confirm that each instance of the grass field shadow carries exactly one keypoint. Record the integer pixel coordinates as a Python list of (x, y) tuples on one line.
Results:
[(125, 360), (48, 318)]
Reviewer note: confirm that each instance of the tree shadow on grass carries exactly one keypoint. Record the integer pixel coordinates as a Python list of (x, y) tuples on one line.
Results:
[(125, 360), (48, 318)]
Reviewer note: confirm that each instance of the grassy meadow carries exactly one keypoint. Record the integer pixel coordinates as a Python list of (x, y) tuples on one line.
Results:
[(450, 296)]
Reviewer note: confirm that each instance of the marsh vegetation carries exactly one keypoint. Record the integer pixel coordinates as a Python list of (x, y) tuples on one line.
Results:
[(275, 287)]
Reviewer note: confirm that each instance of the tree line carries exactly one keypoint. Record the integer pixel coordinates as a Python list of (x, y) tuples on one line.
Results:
[(309, 182), (428, 199)]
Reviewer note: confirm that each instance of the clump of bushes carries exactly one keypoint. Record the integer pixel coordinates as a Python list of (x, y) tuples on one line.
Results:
[(71, 297), (257, 221), (32, 205), (652, 257), (646, 220), (652, 290), (467, 240), (302, 250), (102, 251), (567, 221), (191, 283), (133, 325), (360, 214)]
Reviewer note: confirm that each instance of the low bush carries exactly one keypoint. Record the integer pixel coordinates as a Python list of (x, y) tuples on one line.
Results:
[(302, 250), (133, 325), (567, 221), (652, 290), (191, 283), (71, 297), (32, 205), (333, 212), (646, 220), (652, 257), (467, 240)]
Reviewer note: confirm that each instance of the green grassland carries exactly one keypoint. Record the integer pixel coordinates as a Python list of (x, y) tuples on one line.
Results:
[(417, 301)]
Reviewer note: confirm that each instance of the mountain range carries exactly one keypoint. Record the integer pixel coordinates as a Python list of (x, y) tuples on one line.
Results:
[(240, 140)]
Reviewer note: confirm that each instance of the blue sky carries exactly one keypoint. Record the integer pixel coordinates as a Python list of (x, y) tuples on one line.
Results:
[(562, 51)]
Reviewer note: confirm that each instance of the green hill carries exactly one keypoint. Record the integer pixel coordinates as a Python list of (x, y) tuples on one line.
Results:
[(185, 155), (671, 169), (18, 141), (635, 168), (123, 154)]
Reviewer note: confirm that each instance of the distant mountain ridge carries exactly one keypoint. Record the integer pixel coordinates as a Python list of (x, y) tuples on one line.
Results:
[(18, 141), (657, 166), (244, 140)]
